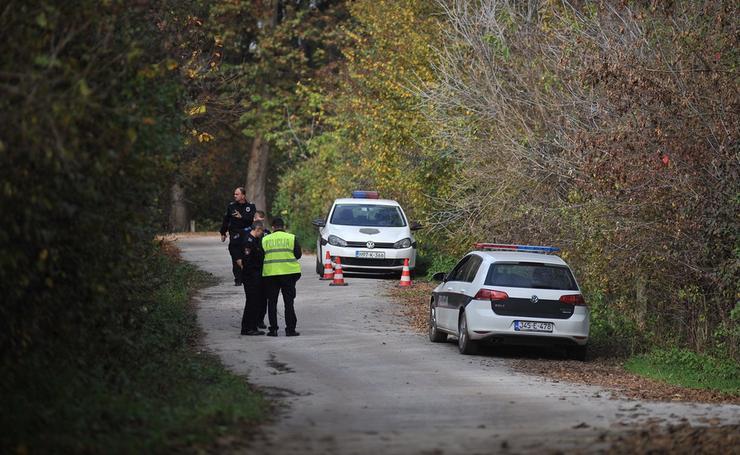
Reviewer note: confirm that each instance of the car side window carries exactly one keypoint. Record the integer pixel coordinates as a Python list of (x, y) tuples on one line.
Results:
[(456, 272), (471, 269)]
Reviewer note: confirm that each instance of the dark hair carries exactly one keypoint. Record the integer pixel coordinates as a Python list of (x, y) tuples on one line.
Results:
[(260, 213), (241, 190), (257, 224), (278, 223)]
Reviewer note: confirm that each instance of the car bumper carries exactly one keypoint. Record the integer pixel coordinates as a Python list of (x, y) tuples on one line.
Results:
[(483, 323), (393, 260)]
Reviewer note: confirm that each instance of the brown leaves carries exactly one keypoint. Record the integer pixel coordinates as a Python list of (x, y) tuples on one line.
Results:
[(611, 375)]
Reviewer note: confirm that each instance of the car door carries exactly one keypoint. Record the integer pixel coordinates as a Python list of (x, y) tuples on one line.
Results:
[(465, 285), (446, 309)]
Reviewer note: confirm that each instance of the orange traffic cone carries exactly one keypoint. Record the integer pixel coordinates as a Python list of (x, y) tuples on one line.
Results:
[(328, 269), (338, 275), (405, 275)]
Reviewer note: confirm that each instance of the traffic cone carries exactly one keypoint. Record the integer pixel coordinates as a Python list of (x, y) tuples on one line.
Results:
[(328, 269), (338, 275), (405, 275)]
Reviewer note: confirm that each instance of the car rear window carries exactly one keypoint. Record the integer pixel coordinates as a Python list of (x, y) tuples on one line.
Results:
[(531, 275), (367, 215)]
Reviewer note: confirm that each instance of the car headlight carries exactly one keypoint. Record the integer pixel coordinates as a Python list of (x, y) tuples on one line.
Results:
[(336, 241), (403, 243)]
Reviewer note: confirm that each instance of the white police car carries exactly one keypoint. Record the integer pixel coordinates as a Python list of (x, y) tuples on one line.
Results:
[(514, 294), (369, 234)]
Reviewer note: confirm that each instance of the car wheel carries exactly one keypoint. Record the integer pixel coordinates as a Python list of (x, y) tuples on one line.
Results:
[(464, 343), (578, 353), (319, 265), (435, 335)]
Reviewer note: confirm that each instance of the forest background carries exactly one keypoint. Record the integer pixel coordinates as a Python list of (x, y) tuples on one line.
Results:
[(609, 129)]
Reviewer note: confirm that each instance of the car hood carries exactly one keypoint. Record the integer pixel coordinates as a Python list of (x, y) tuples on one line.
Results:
[(367, 233)]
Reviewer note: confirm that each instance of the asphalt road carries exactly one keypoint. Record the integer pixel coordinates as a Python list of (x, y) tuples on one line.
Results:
[(358, 380)]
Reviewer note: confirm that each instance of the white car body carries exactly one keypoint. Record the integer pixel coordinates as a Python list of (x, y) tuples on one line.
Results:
[(369, 239), (500, 320)]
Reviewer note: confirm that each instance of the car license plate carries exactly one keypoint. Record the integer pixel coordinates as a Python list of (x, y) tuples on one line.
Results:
[(370, 254), (532, 326)]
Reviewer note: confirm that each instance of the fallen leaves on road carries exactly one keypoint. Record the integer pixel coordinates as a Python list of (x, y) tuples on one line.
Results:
[(415, 303), (675, 439), (610, 374)]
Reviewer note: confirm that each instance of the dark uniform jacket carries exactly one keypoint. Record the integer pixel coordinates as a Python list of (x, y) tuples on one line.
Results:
[(252, 254), (237, 217)]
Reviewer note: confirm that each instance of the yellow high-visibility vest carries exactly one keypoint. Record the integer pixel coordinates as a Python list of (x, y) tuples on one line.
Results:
[(279, 257)]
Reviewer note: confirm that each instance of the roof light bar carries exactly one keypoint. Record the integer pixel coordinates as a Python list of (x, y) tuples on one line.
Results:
[(360, 194), (522, 248)]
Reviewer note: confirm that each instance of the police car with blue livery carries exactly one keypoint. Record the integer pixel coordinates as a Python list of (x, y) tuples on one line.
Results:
[(514, 294), (369, 234)]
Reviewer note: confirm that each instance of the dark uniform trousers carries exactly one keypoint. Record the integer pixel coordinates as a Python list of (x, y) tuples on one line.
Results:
[(274, 285), (255, 299)]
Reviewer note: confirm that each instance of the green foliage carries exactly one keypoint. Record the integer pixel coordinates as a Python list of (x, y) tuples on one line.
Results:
[(87, 138), (373, 135), (689, 369), (154, 395), (91, 126), (437, 262), (249, 69), (612, 332)]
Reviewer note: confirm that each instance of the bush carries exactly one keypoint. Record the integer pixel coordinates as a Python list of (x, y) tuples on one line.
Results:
[(688, 369), (153, 395)]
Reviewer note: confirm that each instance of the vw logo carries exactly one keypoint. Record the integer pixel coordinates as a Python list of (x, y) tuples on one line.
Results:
[(371, 245), (534, 299)]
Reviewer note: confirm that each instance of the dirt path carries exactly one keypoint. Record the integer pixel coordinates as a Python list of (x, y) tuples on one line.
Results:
[(359, 381)]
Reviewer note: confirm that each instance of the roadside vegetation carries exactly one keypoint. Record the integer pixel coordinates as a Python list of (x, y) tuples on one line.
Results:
[(98, 346), (606, 129), (688, 369), (156, 393)]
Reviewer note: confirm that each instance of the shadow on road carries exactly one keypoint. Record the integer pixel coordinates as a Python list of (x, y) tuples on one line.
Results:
[(520, 352)]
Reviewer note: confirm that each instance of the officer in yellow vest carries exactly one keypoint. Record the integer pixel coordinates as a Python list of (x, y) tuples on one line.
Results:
[(281, 271)]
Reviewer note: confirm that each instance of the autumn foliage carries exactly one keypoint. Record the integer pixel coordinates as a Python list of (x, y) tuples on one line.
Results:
[(607, 129)]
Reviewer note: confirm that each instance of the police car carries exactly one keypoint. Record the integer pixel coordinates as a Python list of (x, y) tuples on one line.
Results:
[(514, 294), (369, 234)]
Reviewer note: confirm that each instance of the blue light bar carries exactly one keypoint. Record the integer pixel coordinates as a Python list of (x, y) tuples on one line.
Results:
[(360, 194), (522, 248)]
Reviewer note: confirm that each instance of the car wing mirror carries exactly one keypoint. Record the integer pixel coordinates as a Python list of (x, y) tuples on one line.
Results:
[(318, 222), (415, 226), (439, 276)]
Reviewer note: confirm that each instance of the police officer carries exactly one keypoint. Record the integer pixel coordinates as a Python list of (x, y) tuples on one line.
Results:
[(239, 215), (259, 215), (281, 271), (251, 265)]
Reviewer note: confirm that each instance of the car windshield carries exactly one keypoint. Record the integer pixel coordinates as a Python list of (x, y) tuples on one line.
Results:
[(367, 215), (531, 275)]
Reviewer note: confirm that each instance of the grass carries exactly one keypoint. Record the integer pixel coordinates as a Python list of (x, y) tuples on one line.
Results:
[(688, 369), (162, 395)]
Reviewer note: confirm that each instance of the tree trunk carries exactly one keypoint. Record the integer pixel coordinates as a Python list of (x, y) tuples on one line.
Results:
[(257, 173), (178, 209)]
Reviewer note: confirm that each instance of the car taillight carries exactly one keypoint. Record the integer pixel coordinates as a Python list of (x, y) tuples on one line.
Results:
[(573, 299), (490, 294)]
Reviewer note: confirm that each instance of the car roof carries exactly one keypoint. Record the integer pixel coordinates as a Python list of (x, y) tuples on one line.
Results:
[(515, 256), (366, 201)]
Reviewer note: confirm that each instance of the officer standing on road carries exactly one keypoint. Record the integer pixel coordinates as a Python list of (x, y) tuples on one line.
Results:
[(251, 265), (281, 271), (239, 215), (259, 215)]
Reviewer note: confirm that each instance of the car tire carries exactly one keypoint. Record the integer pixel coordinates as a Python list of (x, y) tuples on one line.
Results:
[(465, 345), (579, 353), (435, 335), (319, 266)]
